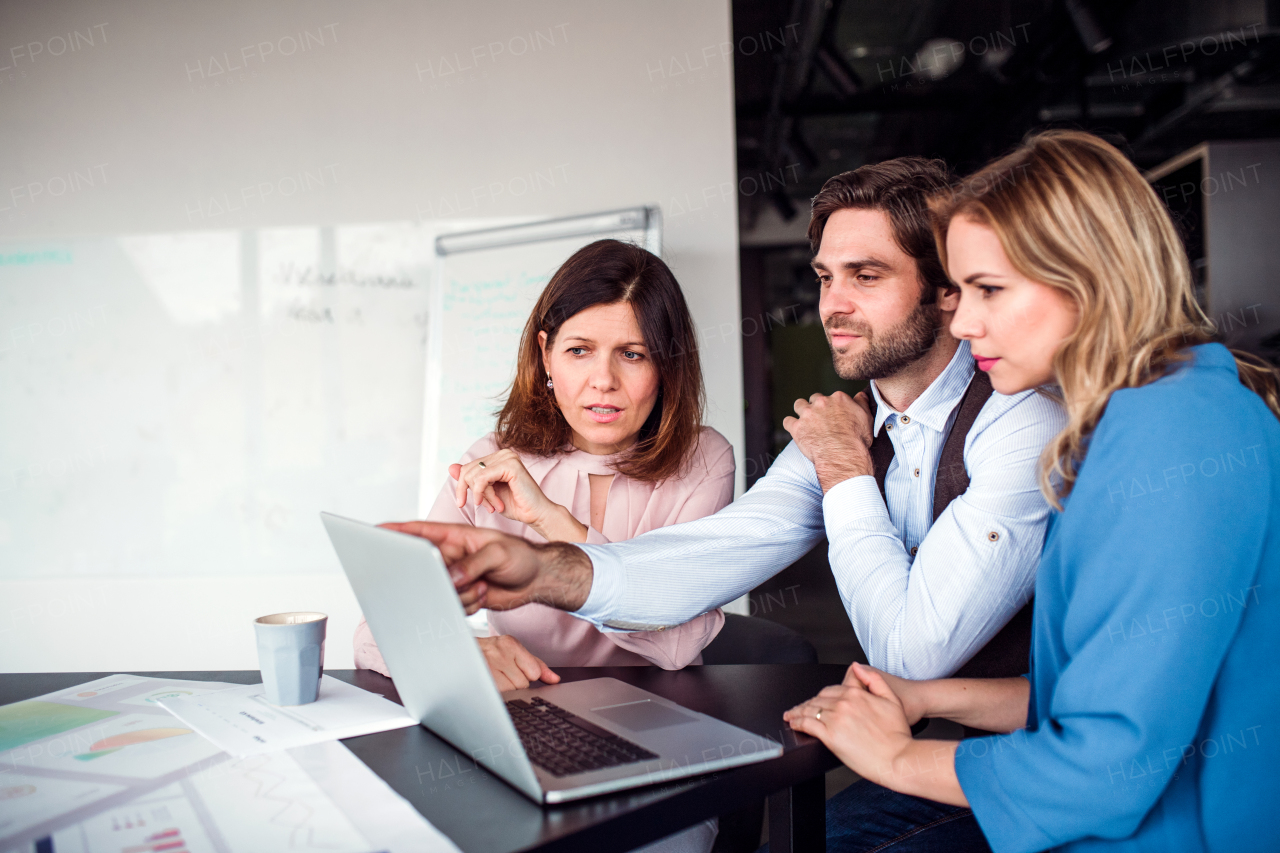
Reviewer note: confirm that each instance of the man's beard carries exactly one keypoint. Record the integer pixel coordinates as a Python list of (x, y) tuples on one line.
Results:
[(889, 351)]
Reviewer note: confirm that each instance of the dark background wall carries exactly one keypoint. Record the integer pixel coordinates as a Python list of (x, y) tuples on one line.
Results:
[(823, 86)]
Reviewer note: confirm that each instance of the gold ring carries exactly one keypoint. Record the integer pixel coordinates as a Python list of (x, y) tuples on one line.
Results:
[(481, 464), (818, 716)]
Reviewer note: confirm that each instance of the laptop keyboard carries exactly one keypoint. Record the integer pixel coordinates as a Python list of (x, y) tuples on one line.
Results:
[(564, 744)]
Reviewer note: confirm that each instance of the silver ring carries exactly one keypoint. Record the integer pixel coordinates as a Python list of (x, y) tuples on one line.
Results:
[(482, 464), (818, 716)]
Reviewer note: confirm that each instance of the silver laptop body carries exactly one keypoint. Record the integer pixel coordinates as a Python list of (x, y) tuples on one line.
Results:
[(440, 673)]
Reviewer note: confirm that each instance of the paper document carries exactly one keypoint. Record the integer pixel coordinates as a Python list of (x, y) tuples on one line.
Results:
[(242, 721), (72, 753), (318, 797)]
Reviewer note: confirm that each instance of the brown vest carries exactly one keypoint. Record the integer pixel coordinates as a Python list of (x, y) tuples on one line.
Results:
[(1007, 654)]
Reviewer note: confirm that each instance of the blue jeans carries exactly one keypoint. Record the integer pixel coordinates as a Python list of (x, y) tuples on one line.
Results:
[(866, 817)]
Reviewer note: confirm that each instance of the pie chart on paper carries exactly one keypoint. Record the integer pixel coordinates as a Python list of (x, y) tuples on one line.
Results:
[(108, 745)]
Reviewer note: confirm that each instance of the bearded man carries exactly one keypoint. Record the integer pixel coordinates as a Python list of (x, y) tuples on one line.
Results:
[(926, 489)]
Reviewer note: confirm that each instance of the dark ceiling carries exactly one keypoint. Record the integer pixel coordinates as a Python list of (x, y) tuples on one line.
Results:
[(828, 85)]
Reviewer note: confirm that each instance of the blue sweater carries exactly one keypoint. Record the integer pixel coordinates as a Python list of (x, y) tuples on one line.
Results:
[(1154, 721)]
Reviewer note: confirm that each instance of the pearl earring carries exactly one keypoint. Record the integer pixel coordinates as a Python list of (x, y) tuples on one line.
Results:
[(550, 385)]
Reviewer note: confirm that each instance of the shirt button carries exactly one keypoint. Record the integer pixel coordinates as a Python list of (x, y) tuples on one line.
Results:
[(993, 536), (917, 472), (662, 628), (888, 425), (906, 419), (914, 548)]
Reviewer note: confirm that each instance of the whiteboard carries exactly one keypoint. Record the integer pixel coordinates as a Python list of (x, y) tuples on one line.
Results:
[(488, 282), (184, 404)]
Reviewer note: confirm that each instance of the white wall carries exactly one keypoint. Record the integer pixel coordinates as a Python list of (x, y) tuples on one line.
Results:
[(429, 111)]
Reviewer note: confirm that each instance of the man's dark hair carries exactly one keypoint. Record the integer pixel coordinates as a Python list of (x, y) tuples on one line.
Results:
[(901, 188)]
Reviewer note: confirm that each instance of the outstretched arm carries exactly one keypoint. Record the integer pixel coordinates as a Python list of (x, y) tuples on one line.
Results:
[(663, 578), (711, 490), (668, 576), (496, 570)]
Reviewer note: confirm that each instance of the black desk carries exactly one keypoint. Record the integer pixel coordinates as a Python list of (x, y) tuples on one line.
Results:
[(482, 814)]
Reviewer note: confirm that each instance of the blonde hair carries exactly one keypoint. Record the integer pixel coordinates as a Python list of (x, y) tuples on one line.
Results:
[(1072, 212)]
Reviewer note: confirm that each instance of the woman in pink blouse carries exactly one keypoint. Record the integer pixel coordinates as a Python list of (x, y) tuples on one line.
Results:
[(600, 439)]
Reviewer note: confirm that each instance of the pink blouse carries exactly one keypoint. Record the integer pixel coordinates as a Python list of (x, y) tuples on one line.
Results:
[(632, 508)]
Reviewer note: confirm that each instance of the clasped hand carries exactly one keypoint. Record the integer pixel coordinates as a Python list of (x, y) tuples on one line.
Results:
[(499, 482), (834, 433), (864, 720)]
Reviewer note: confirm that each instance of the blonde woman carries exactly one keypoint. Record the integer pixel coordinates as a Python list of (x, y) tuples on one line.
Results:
[(1147, 719)]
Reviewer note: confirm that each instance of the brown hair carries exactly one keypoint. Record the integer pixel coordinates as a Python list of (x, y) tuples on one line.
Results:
[(1073, 213), (605, 273), (901, 189)]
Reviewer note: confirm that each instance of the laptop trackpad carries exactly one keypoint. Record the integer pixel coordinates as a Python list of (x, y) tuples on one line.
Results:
[(644, 715)]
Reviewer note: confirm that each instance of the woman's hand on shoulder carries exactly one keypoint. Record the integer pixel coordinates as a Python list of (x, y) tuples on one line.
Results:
[(512, 665), (499, 482)]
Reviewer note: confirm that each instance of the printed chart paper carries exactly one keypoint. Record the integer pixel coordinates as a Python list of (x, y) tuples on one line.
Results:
[(103, 768), (74, 752), (318, 797), (242, 721)]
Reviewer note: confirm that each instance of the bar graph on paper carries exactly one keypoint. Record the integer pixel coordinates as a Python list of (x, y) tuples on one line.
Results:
[(166, 839), (276, 807)]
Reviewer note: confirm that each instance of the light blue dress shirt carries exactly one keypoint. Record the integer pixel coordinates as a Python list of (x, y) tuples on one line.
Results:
[(1154, 720), (923, 596)]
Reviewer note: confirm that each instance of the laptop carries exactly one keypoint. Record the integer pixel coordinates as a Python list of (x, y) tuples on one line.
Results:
[(553, 743)]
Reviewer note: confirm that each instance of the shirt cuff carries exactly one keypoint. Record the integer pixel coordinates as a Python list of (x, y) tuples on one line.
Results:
[(855, 499), (608, 582), (608, 588)]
